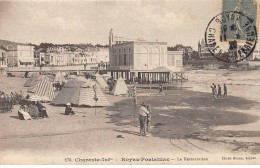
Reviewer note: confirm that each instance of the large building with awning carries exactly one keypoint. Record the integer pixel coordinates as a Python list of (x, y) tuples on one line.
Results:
[(143, 60), (19, 54)]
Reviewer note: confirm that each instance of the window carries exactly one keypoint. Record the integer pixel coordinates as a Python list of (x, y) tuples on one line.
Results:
[(130, 50), (124, 50), (119, 51), (130, 59), (125, 59)]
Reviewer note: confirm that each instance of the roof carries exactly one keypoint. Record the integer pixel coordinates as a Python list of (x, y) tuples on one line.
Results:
[(3, 48), (141, 42)]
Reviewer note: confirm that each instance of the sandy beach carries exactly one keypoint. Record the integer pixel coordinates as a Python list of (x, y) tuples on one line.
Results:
[(186, 122)]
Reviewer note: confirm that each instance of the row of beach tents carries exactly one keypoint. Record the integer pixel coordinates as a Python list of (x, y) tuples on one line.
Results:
[(77, 89), (81, 93)]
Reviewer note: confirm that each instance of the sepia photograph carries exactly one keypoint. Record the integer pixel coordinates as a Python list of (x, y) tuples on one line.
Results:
[(122, 82)]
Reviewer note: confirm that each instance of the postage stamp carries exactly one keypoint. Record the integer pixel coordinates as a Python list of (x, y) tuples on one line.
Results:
[(232, 35)]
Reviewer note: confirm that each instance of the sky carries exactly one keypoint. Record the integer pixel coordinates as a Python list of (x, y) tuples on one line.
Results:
[(173, 21)]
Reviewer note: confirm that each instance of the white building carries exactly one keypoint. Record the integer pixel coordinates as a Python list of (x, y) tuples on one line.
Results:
[(145, 60), (25, 55)]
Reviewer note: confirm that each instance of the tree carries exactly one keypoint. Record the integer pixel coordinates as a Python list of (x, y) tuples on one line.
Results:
[(195, 55)]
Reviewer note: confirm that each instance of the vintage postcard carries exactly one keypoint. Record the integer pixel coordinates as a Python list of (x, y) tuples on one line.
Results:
[(104, 82)]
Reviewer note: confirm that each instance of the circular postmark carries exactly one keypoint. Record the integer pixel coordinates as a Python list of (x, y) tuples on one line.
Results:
[(231, 36)]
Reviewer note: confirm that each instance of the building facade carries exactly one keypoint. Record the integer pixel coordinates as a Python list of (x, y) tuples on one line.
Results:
[(187, 50), (59, 49), (59, 59), (3, 57), (175, 60), (20, 55), (144, 60), (25, 55)]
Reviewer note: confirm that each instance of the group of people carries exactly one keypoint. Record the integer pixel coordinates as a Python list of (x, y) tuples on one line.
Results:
[(217, 92), (7, 101), (31, 110)]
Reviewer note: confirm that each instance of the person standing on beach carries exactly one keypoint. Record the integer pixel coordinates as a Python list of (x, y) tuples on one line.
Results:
[(213, 90), (149, 119), (225, 90), (161, 89), (219, 91), (143, 112)]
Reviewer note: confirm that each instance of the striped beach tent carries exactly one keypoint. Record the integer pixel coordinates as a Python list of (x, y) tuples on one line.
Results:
[(32, 78), (44, 91), (120, 88), (87, 94), (80, 94), (40, 78)]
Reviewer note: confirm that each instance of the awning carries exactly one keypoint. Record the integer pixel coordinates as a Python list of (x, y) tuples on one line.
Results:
[(26, 59)]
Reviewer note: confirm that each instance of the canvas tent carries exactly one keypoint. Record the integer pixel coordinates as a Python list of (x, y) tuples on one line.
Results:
[(106, 77), (120, 88), (69, 93), (40, 78), (87, 94), (81, 78), (59, 78), (72, 76), (32, 78), (80, 93), (100, 80), (73, 83), (44, 91)]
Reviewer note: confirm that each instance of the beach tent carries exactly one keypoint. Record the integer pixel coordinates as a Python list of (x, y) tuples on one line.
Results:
[(73, 83), (81, 78), (87, 94), (80, 93), (88, 83), (40, 78), (44, 91), (100, 80), (32, 78), (120, 87), (72, 77), (106, 77), (59, 78), (69, 93), (63, 74)]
